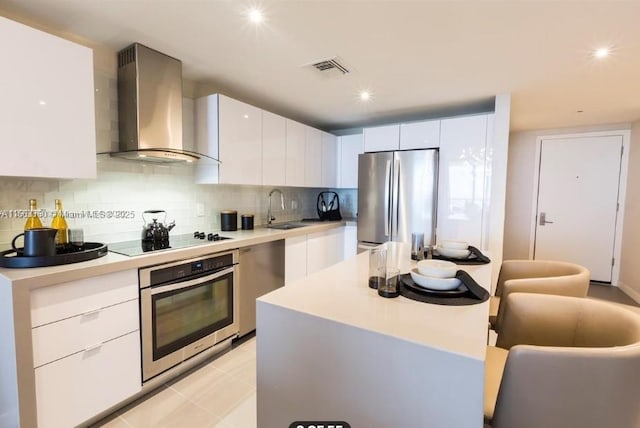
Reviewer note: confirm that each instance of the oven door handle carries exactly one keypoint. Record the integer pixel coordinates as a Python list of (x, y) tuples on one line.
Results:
[(164, 288)]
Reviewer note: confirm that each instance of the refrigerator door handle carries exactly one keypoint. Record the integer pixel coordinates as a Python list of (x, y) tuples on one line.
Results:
[(396, 196), (387, 198)]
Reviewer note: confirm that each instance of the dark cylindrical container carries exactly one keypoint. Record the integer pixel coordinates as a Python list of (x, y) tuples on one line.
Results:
[(229, 220), (247, 221)]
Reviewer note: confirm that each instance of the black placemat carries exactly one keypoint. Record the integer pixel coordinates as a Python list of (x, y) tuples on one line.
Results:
[(475, 257), (474, 294)]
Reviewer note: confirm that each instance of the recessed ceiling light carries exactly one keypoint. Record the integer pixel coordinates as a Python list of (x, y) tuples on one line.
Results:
[(601, 53), (255, 15), (365, 95)]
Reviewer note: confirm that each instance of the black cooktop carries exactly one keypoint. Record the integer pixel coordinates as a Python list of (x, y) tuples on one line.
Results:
[(139, 247)]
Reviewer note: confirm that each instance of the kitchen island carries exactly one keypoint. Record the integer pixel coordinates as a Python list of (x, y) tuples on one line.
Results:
[(330, 349), (99, 294)]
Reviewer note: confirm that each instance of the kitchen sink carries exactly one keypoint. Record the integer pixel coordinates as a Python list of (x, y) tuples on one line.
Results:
[(287, 226)]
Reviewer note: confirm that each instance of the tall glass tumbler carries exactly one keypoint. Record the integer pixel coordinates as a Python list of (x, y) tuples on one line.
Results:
[(377, 266), (389, 287), (417, 246)]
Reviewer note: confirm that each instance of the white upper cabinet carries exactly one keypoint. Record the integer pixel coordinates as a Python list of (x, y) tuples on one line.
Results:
[(47, 110), (273, 149), (349, 147), (382, 138), (231, 131), (420, 135), (295, 153), (258, 147), (240, 134), (405, 136), (313, 157), (206, 136), (462, 179), (329, 160)]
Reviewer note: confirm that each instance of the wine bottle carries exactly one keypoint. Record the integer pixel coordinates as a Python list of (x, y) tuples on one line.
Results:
[(60, 223), (33, 221)]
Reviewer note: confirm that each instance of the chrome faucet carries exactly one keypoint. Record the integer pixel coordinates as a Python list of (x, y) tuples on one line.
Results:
[(270, 217)]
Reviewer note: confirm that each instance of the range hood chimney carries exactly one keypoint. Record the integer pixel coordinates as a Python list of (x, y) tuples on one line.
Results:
[(150, 106)]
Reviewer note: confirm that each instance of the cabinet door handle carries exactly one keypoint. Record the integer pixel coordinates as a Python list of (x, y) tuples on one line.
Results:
[(92, 312), (93, 347)]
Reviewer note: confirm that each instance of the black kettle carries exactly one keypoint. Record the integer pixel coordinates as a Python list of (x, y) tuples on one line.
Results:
[(154, 231)]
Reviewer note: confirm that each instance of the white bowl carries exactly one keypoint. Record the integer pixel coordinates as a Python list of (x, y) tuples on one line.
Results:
[(437, 268), (456, 254), (434, 283), (455, 245)]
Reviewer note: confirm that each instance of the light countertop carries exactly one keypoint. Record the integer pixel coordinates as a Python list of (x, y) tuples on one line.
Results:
[(341, 294), (41, 277)]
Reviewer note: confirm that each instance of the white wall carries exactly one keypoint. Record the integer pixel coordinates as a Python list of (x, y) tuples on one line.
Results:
[(629, 270)]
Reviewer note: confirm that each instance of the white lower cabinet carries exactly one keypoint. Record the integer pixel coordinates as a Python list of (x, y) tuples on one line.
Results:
[(86, 347), (310, 253), (295, 258), (75, 388), (324, 249), (350, 241), (60, 339)]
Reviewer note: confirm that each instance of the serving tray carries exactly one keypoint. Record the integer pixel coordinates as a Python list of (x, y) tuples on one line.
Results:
[(14, 259)]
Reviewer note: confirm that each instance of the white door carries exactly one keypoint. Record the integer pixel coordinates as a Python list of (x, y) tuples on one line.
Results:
[(577, 202)]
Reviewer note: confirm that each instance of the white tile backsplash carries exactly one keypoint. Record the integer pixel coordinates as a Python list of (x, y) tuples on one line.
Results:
[(123, 186)]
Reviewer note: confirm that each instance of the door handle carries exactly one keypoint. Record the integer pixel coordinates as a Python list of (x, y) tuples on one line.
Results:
[(396, 194), (543, 219), (387, 197)]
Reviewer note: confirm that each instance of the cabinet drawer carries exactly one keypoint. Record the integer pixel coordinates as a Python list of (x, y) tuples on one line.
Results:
[(62, 338), (71, 390), (66, 300)]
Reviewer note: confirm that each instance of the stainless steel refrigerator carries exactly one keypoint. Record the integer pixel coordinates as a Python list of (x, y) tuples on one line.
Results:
[(397, 194)]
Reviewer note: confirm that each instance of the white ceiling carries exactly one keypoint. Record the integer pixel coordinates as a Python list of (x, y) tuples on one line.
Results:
[(414, 56)]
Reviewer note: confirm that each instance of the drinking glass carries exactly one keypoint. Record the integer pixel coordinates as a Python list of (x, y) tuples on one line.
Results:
[(389, 287), (377, 266), (417, 246), (76, 238)]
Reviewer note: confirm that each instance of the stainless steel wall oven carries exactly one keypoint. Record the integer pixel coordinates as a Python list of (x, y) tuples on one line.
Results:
[(185, 308)]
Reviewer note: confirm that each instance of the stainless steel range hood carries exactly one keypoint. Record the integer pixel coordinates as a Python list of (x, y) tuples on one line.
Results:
[(150, 106)]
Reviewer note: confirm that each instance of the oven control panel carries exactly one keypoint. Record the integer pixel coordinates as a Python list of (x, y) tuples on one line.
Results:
[(191, 268)]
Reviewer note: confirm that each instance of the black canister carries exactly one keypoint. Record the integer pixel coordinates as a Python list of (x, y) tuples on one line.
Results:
[(229, 220), (247, 221)]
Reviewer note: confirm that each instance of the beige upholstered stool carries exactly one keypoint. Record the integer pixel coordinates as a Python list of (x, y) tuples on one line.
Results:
[(536, 276), (564, 362)]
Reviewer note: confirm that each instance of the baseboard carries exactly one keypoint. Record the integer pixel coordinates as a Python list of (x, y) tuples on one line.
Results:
[(634, 294)]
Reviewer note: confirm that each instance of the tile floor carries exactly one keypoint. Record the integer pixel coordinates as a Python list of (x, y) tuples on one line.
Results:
[(220, 394), (609, 293)]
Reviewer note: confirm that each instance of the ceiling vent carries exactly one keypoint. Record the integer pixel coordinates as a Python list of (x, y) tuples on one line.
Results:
[(331, 64)]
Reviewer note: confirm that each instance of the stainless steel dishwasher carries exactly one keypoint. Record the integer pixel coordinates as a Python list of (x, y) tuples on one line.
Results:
[(261, 270)]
